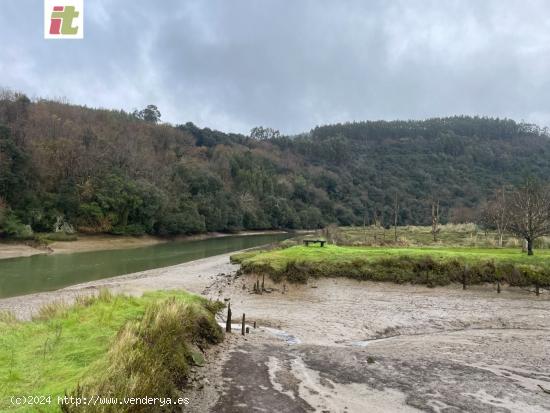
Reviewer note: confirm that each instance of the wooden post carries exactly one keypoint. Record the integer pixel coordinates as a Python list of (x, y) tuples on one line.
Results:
[(242, 327), (263, 282), (254, 324), (228, 321), (537, 288), (498, 286)]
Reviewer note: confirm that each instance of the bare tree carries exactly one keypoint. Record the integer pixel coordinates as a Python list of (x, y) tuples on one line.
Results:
[(366, 214), (496, 213), (435, 218), (529, 212), (395, 215), (378, 223)]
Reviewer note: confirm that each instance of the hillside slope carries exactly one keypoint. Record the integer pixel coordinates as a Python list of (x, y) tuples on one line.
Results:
[(107, 171)]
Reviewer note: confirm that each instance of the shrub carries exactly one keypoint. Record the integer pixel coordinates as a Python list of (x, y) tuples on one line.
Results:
[(58, 236), (131, 229), (10, 226)]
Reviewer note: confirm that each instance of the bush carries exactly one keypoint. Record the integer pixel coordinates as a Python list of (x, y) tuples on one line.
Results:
[(132, 229), (189, 222), (58, 236), (11, 227)]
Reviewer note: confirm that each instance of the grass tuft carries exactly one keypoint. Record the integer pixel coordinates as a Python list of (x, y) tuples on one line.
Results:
[(107, 345)]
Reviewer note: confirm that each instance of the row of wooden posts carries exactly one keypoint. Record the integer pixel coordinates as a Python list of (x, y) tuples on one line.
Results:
[(465, 282), (244, 329)]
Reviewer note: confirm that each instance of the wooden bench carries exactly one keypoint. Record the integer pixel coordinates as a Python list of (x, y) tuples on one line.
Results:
[(314, 241)]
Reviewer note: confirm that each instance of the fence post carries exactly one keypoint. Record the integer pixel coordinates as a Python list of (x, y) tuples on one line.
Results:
[(228, 321), (242, 327)]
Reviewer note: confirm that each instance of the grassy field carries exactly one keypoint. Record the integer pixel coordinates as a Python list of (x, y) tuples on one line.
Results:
[(109, 346), (455, 235), (417, 260)]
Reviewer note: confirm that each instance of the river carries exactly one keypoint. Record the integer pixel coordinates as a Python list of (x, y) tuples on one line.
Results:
[(39, 273)]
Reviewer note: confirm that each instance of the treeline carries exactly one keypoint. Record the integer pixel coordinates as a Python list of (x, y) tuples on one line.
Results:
[(65, 167)]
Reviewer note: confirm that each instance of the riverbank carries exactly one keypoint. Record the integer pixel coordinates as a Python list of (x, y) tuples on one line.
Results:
[(101, 242)]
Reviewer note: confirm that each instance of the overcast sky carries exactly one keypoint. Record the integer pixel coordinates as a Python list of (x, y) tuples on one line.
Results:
[(289, 64)]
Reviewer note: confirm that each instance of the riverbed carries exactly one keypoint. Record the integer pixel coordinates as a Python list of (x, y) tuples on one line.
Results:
[(341, 345)]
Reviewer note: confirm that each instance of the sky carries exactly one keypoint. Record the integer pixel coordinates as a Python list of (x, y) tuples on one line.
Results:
[(289, 64)]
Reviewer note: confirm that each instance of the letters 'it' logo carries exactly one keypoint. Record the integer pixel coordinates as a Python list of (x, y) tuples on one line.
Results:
[(63, 19)]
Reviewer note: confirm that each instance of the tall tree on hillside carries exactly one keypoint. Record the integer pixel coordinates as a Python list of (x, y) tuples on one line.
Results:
[(150, 114), (529, 212), (260, 133)]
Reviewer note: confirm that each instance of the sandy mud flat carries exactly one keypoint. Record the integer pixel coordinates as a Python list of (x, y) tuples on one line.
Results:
[(338, 345)]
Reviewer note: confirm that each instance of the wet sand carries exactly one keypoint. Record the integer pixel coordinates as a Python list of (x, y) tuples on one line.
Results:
[(340, 345)]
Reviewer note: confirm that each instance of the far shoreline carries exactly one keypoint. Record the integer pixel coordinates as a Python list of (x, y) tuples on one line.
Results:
[(99, 242)]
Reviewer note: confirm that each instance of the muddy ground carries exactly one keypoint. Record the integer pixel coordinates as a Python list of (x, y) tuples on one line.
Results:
[(338, 345)]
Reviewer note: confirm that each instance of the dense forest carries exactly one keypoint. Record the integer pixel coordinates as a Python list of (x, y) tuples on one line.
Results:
[(101, 171)]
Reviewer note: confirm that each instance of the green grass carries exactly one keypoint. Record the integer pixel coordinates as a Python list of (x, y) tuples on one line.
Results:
[(430, 265), (81, 345), (278, 259), (455, 235)]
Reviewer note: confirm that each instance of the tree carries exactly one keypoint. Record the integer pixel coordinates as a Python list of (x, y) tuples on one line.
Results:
[(395, 215), (260, 133), (435, 218), (529, 212), (150, 114), (496, 213)]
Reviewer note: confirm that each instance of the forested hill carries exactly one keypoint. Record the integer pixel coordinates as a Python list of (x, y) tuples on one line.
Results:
[(111, 171)]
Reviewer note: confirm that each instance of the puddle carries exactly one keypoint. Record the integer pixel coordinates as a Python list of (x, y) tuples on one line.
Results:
[(365, 343), (283, 335)]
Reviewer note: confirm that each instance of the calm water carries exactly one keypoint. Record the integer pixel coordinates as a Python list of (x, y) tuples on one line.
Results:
[(26, 275)]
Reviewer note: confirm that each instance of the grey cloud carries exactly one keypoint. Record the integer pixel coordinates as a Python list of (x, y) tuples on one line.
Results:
[(289, 65)]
